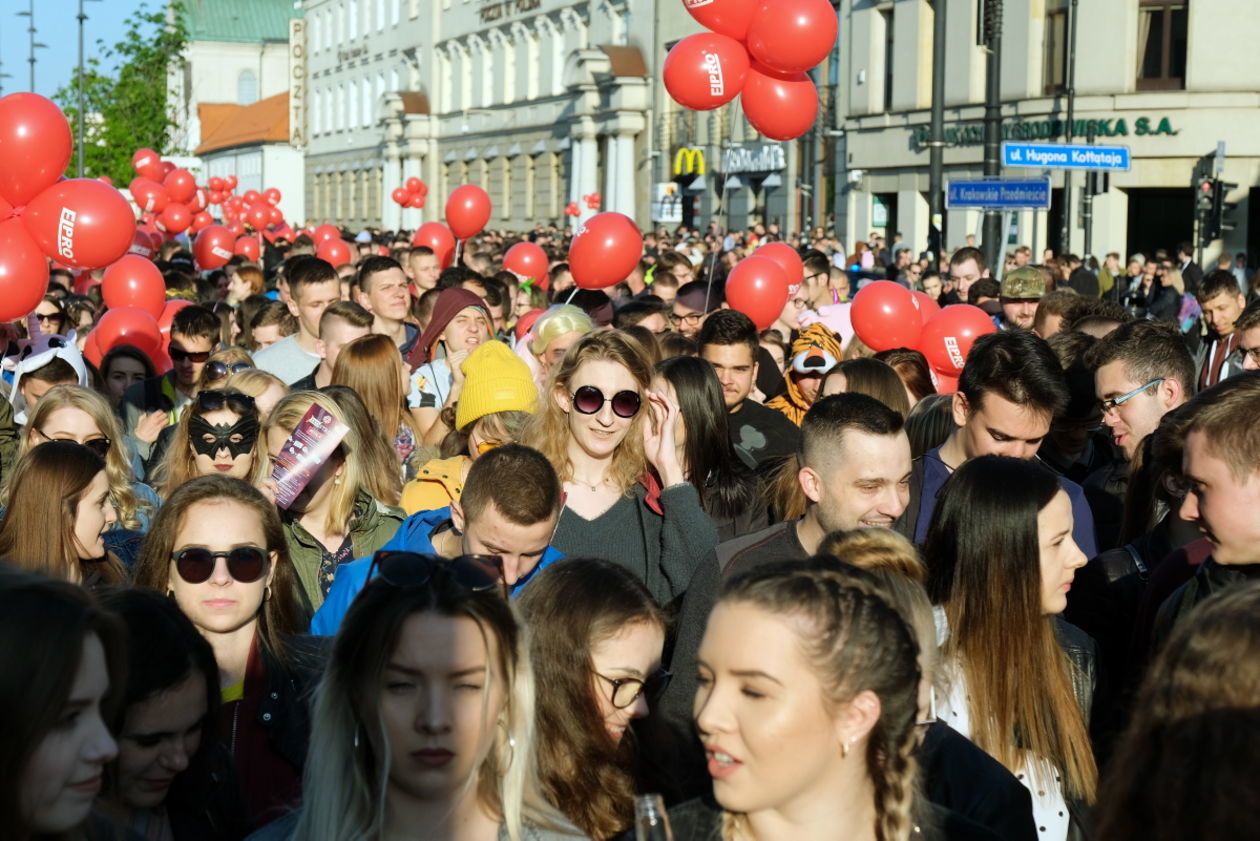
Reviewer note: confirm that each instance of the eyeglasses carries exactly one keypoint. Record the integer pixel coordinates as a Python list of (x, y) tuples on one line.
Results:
[(51, 316), (179, 355), (217, 370), (477, 573), (588, 400), (1109, 406), (213, 401), (691, 319), (486, 446), (1254, 353), (245, 564), (626, 690), (100, 446)]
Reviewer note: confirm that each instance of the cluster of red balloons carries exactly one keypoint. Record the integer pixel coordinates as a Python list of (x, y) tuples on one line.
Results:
[(257, 209), (886, 315), (759, 50), (411, 195), (572, 209), (168, 196), (81, 223), (593, 200)]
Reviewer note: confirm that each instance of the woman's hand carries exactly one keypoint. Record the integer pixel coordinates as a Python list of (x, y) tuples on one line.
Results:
[(150, 425), (659, 443)]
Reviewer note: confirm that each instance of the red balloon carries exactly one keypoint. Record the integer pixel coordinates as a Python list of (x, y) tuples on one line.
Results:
[(150, 196), (216, 184), (945, 384), (706, 70), (237, 228), (415, 200), (334, 251), (167, 169), (605, 250), (272, 195), (788, 259), (216, 197), (168, 314), (414, 184), (6, 209), (175, 219), (758, 288), (128, 326), (200, 200), (248, 246), (81, 222), (948, 336), (180, 185), (467, 211), (926, 305), (200, 222), (134, 281), (400, 196), (326, 232), (92, 351), (23, 271), (792, 35), (275, 216), (148, 164), (35, 146), (213, 247), (782, 106), (885, 317), (527, 260), (258, 216), (252, 197), (729, 17), (438, 238), (141, 244), (231, 182)]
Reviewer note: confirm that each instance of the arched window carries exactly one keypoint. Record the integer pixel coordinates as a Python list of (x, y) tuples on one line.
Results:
[(246, 88)]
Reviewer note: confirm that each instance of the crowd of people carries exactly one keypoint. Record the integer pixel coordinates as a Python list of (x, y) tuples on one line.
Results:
[(579, 546)]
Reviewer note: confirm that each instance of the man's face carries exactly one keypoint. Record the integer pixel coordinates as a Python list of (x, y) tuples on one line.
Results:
[(999, 427), (913, 273), (1149, 268), (932, 286), (815, 288), (311, 300), (188, 371), (491, 533), (863, 483), (387, 295), (1019, 312), (425, 270), (1249, 346), (1022, 258), (336, 335), (1223, 507), (965, 274), (1135, 418), (33, 389), (686, 320), (903, 258), (1220, 312), (736, 369)]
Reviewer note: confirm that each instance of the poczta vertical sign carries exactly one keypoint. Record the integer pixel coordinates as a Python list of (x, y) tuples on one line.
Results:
[(297, 82)]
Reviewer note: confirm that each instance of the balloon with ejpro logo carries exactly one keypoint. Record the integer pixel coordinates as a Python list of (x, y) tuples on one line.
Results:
[(705, 71)]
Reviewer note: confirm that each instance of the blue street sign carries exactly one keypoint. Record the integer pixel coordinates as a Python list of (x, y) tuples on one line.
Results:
[(998, 194), (1060, 156)]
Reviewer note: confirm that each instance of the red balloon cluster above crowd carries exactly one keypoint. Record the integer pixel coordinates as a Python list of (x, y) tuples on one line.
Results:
[(413, 194), (759, 50)]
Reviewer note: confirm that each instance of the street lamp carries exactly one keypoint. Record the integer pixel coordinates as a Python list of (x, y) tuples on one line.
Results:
[(82, 19), (30, 14)]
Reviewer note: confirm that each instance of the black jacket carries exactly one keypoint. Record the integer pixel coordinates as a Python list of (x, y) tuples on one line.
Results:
[(286, 708), (957, 775)]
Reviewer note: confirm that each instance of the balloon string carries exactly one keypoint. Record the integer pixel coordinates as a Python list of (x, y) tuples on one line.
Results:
[(571, 294), (458, 250)]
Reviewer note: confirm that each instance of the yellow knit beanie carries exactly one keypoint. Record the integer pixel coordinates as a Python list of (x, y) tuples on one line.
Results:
[(495, 380)]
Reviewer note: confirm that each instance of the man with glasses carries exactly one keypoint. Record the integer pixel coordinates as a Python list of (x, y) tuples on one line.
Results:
[(150, 406), (1248, 329), (509, 508), (693, 304)]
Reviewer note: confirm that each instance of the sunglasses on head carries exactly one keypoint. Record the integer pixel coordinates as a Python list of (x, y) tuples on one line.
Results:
[(217, 370), (589, 400), (100, 446), (179, 355), (212, 401), (246, 564), (412, 569)]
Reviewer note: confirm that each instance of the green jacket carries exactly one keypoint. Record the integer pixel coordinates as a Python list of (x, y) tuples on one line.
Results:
[(371, 526)]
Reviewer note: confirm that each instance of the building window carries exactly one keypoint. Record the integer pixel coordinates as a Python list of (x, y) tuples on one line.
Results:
[(1161, 45), (394, 11), (352, 20), (1054, 70), (246, 88), (887, 18), (505, 173)]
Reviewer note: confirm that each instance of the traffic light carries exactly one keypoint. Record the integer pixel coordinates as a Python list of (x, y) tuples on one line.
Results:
[(1222, 211), (1204, 208)]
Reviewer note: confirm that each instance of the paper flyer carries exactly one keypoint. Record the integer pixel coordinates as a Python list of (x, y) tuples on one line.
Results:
[(305, 452)]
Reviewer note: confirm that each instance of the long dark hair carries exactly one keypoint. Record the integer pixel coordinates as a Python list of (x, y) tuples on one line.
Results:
[(983, 555), (164, 649), (574, 604), (725, 485)]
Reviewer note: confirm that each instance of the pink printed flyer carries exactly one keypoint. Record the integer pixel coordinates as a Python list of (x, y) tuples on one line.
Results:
[(305, 452)]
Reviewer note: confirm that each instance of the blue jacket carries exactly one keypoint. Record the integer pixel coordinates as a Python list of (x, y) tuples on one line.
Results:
[(412, 536)]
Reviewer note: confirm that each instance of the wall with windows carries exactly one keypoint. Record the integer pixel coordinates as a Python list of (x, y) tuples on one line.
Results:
[(222, 72)]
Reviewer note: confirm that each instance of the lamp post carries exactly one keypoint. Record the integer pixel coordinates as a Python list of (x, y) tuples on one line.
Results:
[(30, 15), (992, 235), (82, 19)]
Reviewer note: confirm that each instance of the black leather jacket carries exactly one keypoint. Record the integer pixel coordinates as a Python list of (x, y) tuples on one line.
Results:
[(285, 710)]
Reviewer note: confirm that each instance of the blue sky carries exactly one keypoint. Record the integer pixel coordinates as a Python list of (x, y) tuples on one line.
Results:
[(56, 26)]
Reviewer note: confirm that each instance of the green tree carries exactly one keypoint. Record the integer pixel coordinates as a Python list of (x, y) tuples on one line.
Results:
[(128, 111)]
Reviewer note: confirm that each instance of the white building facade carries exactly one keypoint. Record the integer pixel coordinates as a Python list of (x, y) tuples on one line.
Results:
[(1167, 78)]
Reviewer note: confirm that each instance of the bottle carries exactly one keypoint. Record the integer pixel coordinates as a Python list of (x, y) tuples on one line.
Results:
[(651, 823)]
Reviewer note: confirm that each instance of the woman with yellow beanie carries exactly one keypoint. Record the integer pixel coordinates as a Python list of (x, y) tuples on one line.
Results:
[(498, 398)]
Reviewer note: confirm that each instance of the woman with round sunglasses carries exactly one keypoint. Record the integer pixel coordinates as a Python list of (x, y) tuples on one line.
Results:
[(62, 660), (596, 638), (218, 550), (58, 513), (172, 779), (337, 517), (218, 435), (612, 442), (423, 723)]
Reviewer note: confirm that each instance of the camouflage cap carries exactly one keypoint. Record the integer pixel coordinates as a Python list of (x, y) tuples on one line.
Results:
[(1024, 284)]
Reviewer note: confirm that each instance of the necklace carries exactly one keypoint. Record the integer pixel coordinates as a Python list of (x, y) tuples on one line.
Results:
[(591, 487)]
